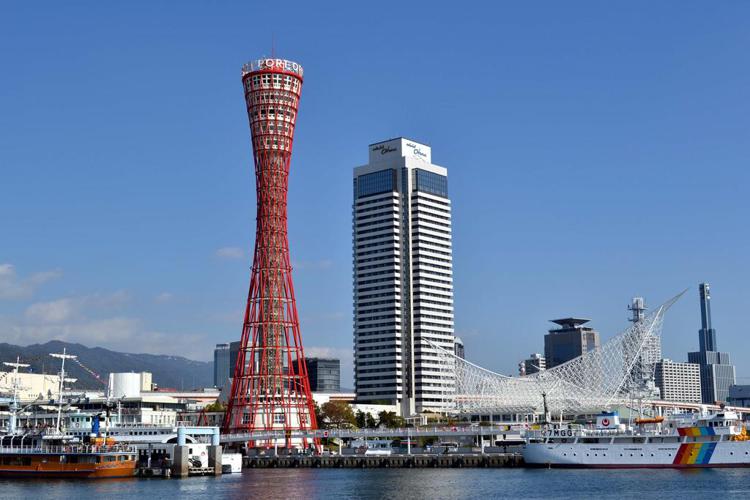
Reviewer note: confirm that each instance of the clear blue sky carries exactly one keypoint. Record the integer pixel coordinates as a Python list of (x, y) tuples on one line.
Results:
[(596, 151)]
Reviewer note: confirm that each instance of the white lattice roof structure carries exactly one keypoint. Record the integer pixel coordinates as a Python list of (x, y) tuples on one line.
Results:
[(597, 380)]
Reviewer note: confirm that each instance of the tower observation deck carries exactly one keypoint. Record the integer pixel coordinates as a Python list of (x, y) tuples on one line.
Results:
[(270, 388)]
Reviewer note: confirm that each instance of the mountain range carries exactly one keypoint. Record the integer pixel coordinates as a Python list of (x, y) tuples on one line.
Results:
[(92, 362)]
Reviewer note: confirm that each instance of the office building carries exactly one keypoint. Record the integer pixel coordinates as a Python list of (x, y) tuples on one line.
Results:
[(403, 278), (534, 364), (739, 395), (221, 364), (569, 341), (678, 381), (325, 374), (225, 358), (717, 374), (234, 351), (717, 371)]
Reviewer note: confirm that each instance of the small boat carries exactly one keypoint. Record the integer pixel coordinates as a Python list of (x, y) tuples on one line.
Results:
[(231, 463)]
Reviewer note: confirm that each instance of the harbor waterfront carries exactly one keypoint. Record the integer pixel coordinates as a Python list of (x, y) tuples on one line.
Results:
[(415, 483), (530, 286)]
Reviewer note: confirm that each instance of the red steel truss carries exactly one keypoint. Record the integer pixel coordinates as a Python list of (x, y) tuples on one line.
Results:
[(271, 389)]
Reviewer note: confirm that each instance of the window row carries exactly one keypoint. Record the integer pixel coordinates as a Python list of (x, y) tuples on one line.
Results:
[(278, 113), (375, 183), (275, 79), (273, 127), (287, 99), (272, 142)]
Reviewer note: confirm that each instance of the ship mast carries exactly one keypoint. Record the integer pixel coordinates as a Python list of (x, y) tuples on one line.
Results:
[(62, 357), (12, 423)]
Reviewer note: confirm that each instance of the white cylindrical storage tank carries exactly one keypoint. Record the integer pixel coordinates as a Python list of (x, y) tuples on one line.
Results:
[(124, 385)]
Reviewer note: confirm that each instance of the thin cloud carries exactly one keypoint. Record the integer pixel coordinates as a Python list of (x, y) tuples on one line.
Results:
[(323, 318), (56, 311), (230, 253), (315, 265), (163, 297), (65, 309), (13, 287), (119, 333), (329, 352)]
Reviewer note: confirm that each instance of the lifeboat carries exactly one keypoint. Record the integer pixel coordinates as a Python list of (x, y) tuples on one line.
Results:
[(654, 420)]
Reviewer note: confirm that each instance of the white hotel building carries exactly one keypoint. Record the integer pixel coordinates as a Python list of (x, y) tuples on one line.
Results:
[(403, 278), (678, 381)]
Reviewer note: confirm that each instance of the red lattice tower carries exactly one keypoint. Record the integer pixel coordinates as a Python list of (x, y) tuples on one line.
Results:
[(271, 389)]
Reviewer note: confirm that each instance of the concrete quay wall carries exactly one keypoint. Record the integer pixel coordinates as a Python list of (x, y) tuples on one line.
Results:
[(391, 461)]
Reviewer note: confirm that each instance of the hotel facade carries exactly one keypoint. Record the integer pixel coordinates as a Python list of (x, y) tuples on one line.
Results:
[(403, 278)]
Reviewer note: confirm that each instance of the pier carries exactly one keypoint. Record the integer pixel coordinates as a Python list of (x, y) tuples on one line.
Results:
[(454, 461)]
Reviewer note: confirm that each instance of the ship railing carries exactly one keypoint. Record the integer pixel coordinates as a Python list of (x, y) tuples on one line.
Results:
[(132, 425), (67, 449), (583, 433)]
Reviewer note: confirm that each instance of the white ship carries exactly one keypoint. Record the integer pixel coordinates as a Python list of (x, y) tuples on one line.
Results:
[(682, 441)]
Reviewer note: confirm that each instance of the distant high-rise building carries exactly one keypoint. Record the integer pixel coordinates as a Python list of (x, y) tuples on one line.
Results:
[(706, 335), (325, 374), (638, 308), (678, 381), (569, 341), (221, 364), (225, 358), (534, 364), (717, 371), (403, 278), (458, 347), (739, 395)]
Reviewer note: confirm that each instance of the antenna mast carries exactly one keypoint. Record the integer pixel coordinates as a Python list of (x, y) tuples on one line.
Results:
[(12, 423), (62, 357)]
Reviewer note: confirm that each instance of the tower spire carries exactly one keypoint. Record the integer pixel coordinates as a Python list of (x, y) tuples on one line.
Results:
[(707, 335), (270, 388)]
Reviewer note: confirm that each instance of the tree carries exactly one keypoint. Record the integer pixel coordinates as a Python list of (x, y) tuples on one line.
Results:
[(370, 421), (390, 420), (339, 414), (215, 406), (365, 420), (361, 419), (319, 417)]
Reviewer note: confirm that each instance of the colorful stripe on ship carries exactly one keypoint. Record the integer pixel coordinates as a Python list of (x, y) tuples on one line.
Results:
[(694, 454), (696, 431)]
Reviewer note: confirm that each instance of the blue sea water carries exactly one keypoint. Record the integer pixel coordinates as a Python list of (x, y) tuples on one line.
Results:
[(405, 483)]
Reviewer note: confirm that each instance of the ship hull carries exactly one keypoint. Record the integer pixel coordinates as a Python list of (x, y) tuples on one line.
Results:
[(638, 456), (50, 467)]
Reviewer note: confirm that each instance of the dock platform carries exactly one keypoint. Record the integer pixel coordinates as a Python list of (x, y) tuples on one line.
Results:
[(497, 460)]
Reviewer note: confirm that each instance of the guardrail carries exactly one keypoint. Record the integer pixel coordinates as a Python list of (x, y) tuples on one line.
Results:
[(60, 450), (407, 432)]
